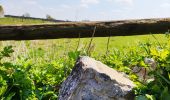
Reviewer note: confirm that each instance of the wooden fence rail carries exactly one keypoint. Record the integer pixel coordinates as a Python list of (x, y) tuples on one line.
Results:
[(84, 29)]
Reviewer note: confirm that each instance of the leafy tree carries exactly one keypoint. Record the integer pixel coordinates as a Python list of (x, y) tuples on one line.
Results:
[(26, 15), (49, 17), (1, 11)]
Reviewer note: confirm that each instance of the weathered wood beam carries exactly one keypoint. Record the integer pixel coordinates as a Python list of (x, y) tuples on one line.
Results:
[(85, 29)]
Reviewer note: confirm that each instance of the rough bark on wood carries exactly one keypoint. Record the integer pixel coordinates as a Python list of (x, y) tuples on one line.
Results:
[(85, 29)]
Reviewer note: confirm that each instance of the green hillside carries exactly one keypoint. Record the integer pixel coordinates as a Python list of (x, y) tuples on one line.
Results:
[(18, 21)]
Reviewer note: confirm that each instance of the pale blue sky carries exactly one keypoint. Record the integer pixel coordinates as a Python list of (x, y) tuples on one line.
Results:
[(89, 9)]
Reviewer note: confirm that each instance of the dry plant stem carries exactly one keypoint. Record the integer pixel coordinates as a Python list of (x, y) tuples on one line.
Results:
[(108, 41), (78, 42), (88, 49), (144, 76), (156, 40), (84, 48)]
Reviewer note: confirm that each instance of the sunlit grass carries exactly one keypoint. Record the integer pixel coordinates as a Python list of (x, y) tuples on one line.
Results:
[(55, 48), (18, 21)]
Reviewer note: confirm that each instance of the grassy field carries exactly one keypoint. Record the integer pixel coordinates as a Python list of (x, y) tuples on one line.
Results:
[(18, 21), (60, 47)]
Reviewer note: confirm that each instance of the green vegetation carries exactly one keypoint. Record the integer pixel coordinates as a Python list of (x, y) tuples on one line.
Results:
[(26, 81), (60, 47), (148, 66), (18, 21), (34, 70)]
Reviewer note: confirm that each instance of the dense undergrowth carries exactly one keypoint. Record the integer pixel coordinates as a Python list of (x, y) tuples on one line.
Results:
[(147, 64)]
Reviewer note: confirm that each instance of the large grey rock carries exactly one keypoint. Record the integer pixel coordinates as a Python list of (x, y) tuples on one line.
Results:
[(92, 80)]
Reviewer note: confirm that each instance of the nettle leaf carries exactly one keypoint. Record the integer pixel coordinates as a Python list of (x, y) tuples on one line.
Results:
[(7, 51), (141, 97), (142, 64), (150, 97), (165, 95), (164, 54), (9, 97), (48, 95), (74, 55), (154, 52), (156, 88), (3, 86), (8, 65), (145, 97)]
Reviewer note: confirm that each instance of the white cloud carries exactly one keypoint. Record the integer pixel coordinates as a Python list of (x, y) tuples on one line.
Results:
[(117, 11), (84, 6), (89, 1), (103, 13), (86, 3), (30, 1), (65, 6), (128, 2), (165, 5)]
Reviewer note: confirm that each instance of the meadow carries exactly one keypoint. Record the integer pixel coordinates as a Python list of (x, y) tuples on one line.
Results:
[(61, 47), (18, 21), (34, 70)]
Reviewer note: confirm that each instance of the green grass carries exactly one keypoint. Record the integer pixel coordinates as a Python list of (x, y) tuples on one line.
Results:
[(60, 47), (52, 49), (18, 21)]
